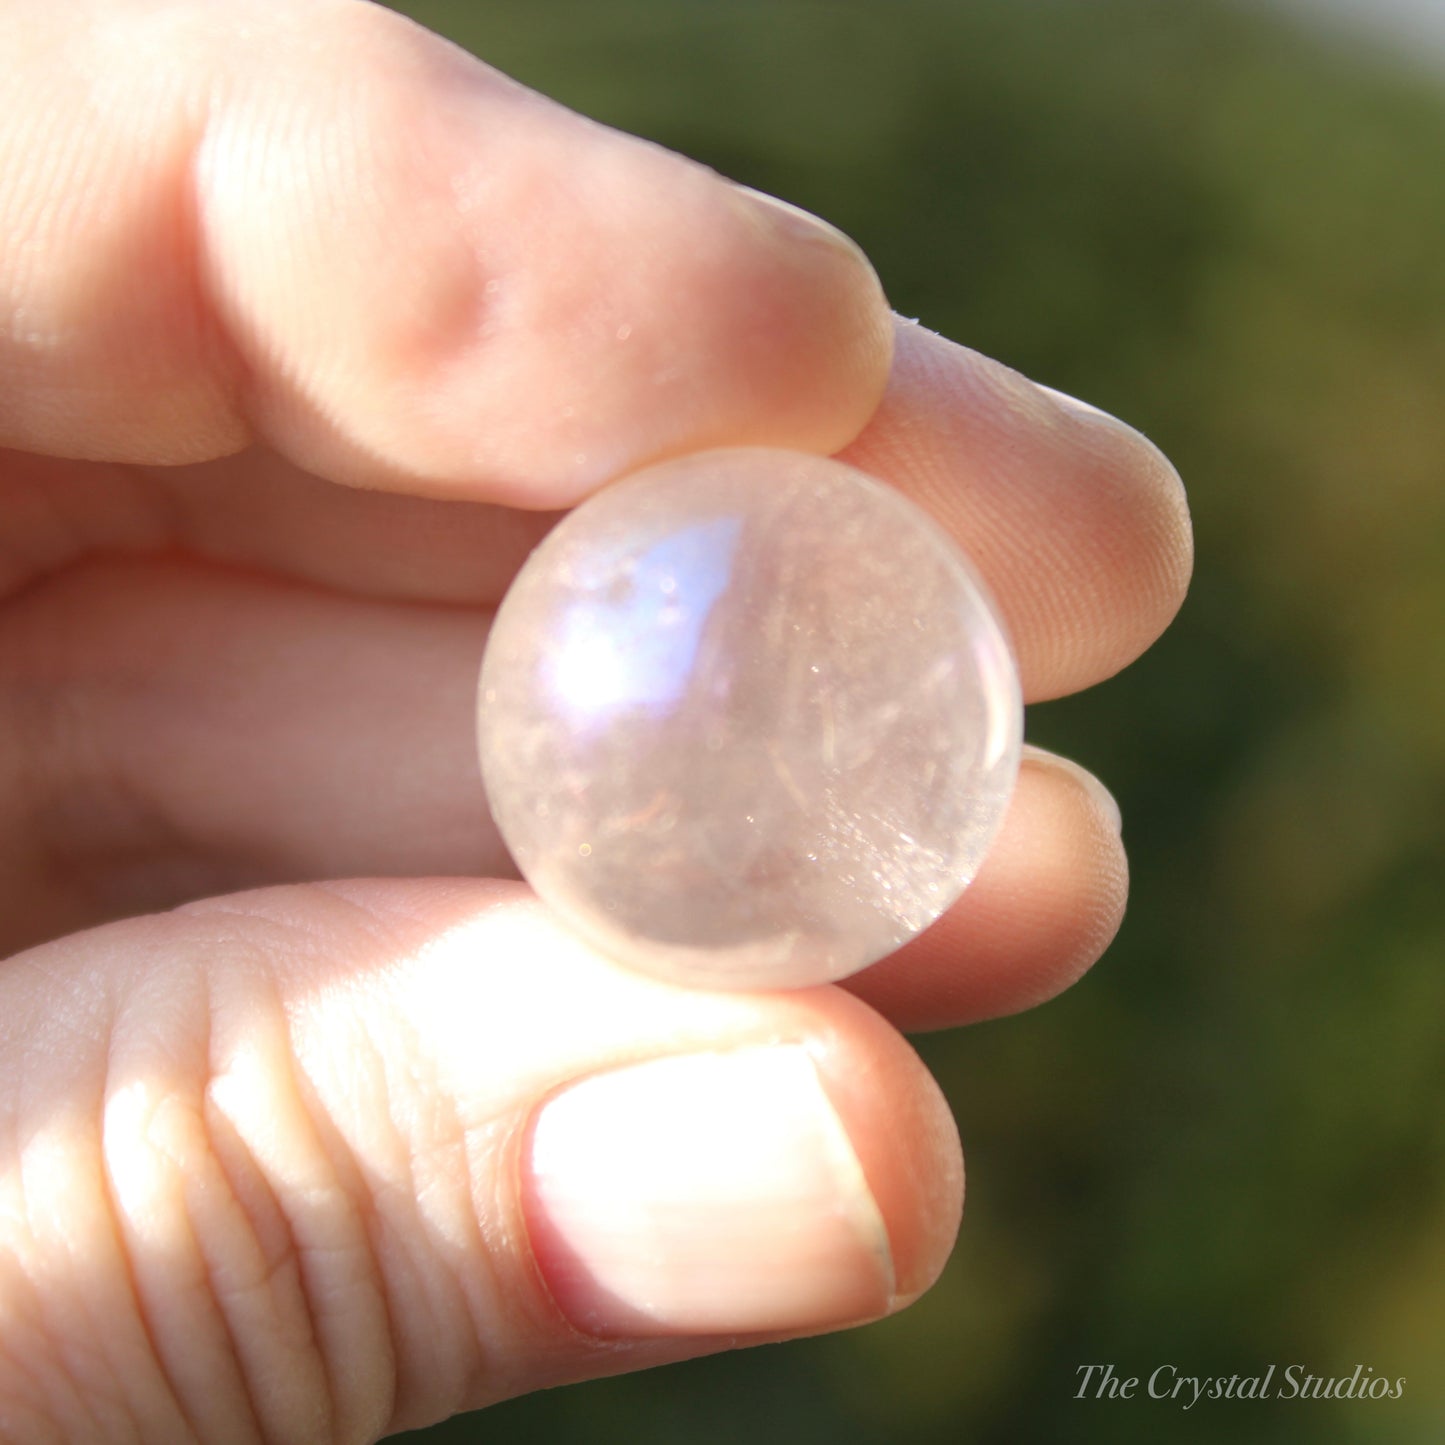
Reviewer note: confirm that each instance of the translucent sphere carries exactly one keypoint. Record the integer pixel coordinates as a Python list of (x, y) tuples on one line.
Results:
[(747, 719)]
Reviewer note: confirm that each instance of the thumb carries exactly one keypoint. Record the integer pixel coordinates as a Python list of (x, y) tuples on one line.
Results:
[(329, 1162)]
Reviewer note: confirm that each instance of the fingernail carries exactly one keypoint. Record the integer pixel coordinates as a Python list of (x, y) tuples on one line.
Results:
[(799, 225), (706, 1194), (1077, 406), (1103, 421), (1103, 800)]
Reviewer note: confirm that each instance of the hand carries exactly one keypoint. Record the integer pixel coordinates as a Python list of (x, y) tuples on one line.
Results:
[(326, 1160)]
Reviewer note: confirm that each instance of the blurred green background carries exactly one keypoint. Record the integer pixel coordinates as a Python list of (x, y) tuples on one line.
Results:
[(1226, 1148)]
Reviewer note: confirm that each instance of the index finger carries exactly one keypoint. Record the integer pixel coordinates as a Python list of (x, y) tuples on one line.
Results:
[(316, 225)]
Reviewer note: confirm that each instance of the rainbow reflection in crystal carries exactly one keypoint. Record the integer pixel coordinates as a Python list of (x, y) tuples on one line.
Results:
[(747, 719)]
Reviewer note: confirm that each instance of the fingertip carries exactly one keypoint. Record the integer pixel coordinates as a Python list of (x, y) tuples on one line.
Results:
[(1136, 536), (699, 314), (702, 1193), (1077, 522), (907, 1143), (806, 1175)]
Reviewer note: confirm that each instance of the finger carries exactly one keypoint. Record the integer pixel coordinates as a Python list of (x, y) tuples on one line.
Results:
[(1047, 902), (319, 226), (222, 729), (334, 1162), (258, 511), (178, 730), (1077, 523)]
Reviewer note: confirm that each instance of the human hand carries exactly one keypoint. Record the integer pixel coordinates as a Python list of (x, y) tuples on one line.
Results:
[(323, 1161)]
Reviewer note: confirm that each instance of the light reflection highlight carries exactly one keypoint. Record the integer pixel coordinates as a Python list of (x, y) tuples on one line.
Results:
[(631, 641)]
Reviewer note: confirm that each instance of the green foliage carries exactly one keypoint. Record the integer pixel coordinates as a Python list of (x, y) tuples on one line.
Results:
[(1225, 1148)]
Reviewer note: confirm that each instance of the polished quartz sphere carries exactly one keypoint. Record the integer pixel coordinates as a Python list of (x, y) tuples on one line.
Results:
[(748, 719)]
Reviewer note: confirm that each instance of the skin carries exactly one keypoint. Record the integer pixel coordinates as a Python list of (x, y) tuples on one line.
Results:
[(309, 325)]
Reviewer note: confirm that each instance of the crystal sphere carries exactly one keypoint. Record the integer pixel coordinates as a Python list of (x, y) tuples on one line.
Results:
[(748, 719)]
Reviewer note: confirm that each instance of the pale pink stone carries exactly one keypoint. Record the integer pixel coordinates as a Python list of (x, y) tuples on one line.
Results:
[(748, 719)]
